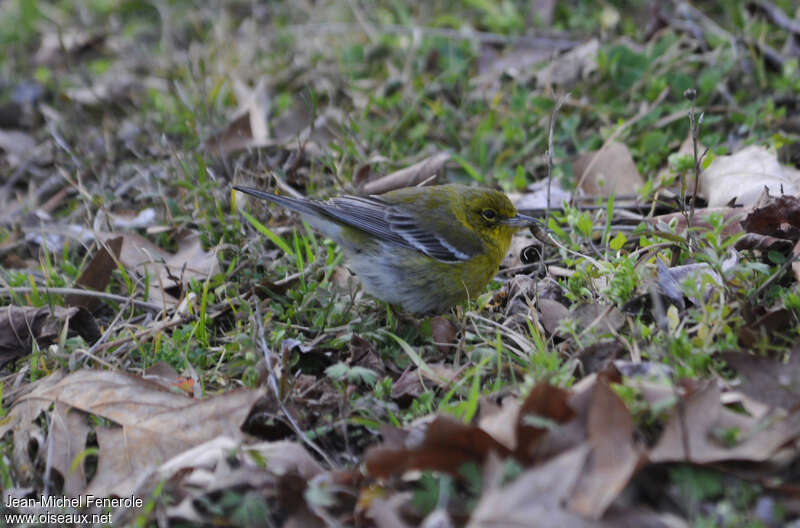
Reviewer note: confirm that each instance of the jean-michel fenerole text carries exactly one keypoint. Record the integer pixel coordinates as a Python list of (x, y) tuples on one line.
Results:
[(81, 501)]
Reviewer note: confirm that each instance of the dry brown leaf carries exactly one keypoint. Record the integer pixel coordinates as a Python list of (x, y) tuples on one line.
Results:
[(97, 275), (707, 421), (21, 418), (409, 176), (611, 168), (446, 445), (249, 126), (777, 216), (167, 272), (768, 380), (155, 423), (546, 424), (551, 313), (600, 317), (68, 432), (500, 420), (743, 176), (21, 325), (444, 333), (535, 498), (570, 67), (731, 218), (614, 456)]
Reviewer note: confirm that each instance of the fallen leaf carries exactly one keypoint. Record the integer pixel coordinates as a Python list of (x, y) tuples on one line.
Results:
[(167, 272), (768, 380), (743, 176), (444, 333), (535, 498), (249, 126), (706, 420), (153, 423), (21, 325), (97, 275), (409, 176), (551, 314), (775, 216), (445, 445), (570, 67), (614, 456), (610, 169), (543, 424)]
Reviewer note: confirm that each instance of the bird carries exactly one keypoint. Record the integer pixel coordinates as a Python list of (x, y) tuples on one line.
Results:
[(425, 249)]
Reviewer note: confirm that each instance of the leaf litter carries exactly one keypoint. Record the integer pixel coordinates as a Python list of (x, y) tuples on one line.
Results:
[(114, 400)]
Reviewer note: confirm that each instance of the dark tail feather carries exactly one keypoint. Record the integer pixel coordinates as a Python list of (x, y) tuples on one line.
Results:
[(295, 204)]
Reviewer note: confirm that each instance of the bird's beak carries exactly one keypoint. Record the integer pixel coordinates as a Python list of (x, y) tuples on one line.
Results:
[(521, 221)]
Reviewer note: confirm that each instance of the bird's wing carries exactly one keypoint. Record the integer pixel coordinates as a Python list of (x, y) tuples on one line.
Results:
[(397, 225)]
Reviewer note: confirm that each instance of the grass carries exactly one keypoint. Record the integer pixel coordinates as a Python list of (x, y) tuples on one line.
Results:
[(403, 95)]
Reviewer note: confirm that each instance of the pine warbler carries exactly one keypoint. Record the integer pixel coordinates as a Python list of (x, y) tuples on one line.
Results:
[(423, 248)]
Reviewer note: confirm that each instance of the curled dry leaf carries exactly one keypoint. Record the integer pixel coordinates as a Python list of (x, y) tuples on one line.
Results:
[(611, 168), (744, 175), (775, 216), (167, 272), (409, 176), (21, 325)]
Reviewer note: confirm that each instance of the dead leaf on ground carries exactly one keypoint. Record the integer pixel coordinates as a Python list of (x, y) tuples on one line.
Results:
[(21, 325), (153, 423), (409, 176), (444, 333), (499, 418), (545, 424), (167, 272), (364, 354), (570, 67), (551, 314), (731, 218), (744, 175), (536, 497), (447, 443), (249, 126), (97, 275), (611, 168), (768, 380), (614, 456), (776, 216), (707, 426), (600, 317), (766, 326)]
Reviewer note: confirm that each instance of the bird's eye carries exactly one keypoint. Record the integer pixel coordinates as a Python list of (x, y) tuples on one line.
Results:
[(488, 214)]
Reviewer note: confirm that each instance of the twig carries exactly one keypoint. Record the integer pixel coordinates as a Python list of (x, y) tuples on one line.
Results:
[(694, 126), (5, 292)]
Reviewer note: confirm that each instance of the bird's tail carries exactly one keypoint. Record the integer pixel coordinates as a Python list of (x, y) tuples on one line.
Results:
[(301, 205)]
